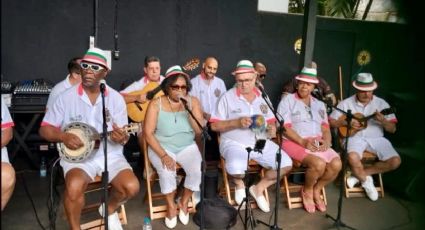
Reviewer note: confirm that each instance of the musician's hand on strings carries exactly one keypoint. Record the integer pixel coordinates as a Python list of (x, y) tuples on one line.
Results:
[(355, 124), (379, 117), (118, 135), (168, 162), (72, 141), (141, 98)]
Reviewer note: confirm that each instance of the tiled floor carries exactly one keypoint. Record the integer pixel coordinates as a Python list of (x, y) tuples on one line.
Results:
[(360, 213)]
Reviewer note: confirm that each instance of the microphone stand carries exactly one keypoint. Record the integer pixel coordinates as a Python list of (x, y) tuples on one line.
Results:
[(205, 136), (279, 118), (349, 116), (105, 174)]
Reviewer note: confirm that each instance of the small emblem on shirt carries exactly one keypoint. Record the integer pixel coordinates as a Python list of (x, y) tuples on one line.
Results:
[(217, 92), (264, 108), (76, 118)]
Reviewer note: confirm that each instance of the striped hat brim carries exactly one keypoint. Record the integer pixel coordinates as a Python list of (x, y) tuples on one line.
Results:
[(307, 78), (365, 87)]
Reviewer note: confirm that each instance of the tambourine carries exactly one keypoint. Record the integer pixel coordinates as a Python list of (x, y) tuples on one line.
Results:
[(258, 124)]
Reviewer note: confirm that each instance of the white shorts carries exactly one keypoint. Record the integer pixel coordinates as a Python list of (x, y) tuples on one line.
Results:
[(378, 145), (4, 155), (189, 159), (236, 155), (95, 166)]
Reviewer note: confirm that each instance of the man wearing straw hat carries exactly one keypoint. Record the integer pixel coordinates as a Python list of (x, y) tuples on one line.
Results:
[(83, 103), (370, 138), (235, 118)]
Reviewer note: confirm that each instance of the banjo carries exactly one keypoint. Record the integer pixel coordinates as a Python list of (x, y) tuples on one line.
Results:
[(90, 138)]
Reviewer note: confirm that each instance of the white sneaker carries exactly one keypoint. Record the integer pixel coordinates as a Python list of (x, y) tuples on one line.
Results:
[(239, 195), (184, 218), (352, 181), (370, 188), (171, 223), (113, 219)]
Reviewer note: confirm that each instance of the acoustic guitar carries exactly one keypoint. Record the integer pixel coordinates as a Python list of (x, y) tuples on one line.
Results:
[(136, 110), (363, 122)]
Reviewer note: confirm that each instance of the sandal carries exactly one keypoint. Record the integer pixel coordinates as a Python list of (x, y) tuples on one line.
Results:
[(321, 206), (310, 208)]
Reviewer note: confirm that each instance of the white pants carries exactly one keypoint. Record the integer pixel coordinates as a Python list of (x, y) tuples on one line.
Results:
[(236, 155), (189, 159)]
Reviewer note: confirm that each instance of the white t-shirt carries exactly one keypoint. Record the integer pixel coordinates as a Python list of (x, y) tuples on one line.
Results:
[(58, 89), (138, 85), (6, 122)]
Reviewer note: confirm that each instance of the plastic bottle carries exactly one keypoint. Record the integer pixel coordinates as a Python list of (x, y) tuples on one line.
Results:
[(43, 167), (147, 224)]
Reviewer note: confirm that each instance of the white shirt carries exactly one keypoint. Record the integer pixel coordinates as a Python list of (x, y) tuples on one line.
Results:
[(139, 85), (58, 89), (6, 122), (233, 105), (304, 120), (74, 106), (373, 129), (208, 95)]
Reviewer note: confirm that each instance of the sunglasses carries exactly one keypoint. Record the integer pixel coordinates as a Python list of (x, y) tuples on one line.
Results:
[(93, 67), (178, 87), (241, 81), (262, 76)]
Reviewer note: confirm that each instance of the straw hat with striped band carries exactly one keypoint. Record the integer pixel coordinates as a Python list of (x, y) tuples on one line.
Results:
[(308, 75), (365, 82)]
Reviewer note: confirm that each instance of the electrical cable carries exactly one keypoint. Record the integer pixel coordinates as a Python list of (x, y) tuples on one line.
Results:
[(31, 200)]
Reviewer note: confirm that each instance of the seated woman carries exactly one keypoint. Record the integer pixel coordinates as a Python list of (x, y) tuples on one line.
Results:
[(170, 132), (307, 139)]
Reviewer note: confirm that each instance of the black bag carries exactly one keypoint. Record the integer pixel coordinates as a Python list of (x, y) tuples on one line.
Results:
[(218, 214)]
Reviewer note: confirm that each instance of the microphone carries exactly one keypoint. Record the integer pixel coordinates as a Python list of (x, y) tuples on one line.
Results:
[(259, 85), (102, 85), (183, 99), (317, 93)]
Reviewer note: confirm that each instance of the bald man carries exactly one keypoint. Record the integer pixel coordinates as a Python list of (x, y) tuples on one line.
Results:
[(208, 88)]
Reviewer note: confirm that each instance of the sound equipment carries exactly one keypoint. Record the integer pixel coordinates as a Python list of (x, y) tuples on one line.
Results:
[(91, 139), (31, 95)]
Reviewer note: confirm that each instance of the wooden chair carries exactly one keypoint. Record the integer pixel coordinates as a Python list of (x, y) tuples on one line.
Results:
[(292, 190), (96, 186), (358, 191), (157, 207), (228, 191)]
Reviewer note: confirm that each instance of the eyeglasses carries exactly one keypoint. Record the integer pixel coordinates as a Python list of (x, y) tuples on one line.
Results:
[(241, 81), (178, 87), (93, 67)]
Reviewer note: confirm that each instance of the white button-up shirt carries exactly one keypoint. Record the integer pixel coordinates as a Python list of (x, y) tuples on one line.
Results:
[(139, 85), (306, 121), (374, 129), (233, 105), (208, 94), (74, 106)]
